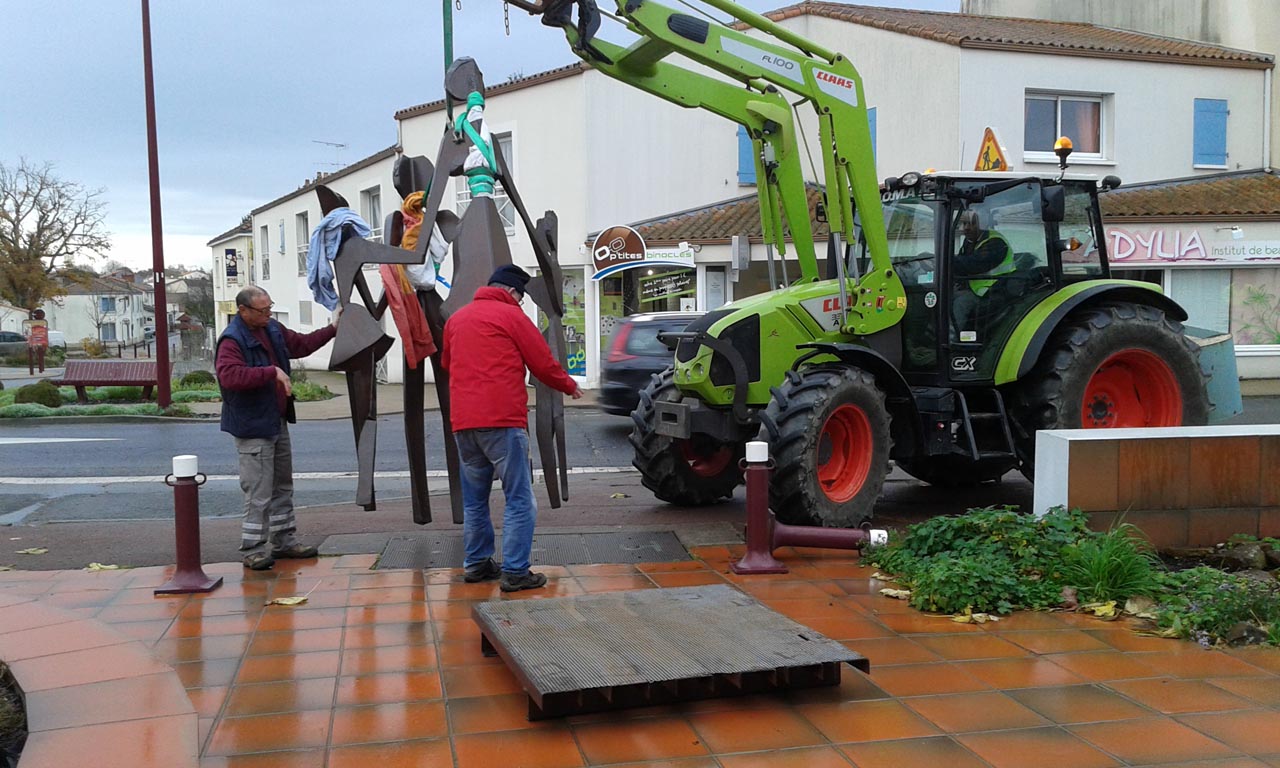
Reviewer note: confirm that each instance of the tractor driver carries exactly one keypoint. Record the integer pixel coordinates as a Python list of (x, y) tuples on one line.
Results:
[(984, 254)]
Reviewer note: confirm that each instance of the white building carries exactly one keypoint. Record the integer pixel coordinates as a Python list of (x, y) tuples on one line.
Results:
[(232, 264), (102, 308), (601, 153), (11, 317)]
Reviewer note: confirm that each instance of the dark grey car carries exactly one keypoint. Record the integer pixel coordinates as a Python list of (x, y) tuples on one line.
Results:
[(635, 354)]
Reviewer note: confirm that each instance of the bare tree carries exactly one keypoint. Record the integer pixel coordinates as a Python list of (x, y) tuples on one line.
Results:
[(45, 222), (98, 312)]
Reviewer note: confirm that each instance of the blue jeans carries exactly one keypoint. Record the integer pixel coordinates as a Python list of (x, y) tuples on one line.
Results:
[(505, 449)]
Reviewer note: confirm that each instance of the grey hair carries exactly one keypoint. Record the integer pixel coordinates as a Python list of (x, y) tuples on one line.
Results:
[(244, 297)]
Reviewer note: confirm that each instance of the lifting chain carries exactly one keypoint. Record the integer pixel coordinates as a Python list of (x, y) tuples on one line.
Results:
[(457, 4), (506, 16)]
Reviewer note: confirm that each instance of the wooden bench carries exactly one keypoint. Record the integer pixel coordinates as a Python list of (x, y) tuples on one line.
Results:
[(108, 373)]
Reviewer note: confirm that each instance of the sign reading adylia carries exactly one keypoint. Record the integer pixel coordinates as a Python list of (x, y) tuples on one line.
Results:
[(621, 247)]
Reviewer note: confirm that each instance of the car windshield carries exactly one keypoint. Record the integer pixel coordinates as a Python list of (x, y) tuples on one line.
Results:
[(643, 339)]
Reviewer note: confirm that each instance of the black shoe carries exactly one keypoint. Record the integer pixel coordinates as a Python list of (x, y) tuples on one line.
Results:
[(486, 571), (296, 552), (514, 582), (259, 561)]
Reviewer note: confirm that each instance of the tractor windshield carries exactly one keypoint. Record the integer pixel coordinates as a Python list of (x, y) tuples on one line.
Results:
[(1085, 261)]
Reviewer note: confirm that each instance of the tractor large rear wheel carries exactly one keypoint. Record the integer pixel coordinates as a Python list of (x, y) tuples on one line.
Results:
[(1121, 365), (828, 431), (692, 472)]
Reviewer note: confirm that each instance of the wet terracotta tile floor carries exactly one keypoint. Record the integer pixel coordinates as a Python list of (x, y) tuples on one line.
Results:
[(384, 669)]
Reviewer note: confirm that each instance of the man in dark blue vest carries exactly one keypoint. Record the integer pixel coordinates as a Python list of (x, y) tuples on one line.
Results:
[(252, 363)]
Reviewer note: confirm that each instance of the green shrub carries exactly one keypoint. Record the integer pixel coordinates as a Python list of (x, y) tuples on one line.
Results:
[(305, 391), (1116, 565), (198, 377), (41, 393), (104, 394), (197, 396), (1205, 604), (6, 398), (992, 560), (55, 357), (93, 347), (26, 411), (298, 375)]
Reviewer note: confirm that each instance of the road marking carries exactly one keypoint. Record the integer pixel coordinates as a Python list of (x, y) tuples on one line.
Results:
[(35, 440), (399, 474)]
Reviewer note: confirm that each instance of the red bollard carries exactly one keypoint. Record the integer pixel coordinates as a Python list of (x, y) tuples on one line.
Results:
[(765, 534), (189, 576)]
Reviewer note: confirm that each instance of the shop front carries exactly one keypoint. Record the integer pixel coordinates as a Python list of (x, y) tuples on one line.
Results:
[(1226, 276)]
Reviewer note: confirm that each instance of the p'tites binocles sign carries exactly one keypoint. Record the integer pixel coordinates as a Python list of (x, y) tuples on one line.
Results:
[(621, 247)]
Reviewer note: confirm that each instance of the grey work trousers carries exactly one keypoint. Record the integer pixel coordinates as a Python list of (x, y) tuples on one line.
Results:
[(266, 477)]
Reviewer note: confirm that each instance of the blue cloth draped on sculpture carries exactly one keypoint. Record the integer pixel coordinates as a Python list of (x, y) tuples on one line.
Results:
[(324, 248)]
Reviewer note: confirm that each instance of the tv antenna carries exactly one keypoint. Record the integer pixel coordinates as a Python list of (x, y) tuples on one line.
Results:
[(337, 152)]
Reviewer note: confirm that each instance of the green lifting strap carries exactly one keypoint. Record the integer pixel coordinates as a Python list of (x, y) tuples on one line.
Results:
[(479, 179), (448, 52)]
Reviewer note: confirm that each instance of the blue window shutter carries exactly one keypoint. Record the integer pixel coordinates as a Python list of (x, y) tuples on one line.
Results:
[(871, 119), (1210, 132), (746, 158)]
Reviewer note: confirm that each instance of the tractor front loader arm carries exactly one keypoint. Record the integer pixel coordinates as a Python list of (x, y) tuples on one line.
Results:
[(764, 68)]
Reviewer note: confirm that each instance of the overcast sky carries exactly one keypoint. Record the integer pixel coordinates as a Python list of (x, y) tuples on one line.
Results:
[(244, 91)]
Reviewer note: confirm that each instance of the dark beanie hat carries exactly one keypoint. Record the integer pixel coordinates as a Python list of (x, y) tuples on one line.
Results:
[(510, 275)]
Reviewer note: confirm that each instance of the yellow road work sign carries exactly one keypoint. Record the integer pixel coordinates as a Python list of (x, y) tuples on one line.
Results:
[(990, 156)]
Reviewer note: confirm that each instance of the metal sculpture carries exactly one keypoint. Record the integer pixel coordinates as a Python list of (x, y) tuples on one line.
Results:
[(479, 243)]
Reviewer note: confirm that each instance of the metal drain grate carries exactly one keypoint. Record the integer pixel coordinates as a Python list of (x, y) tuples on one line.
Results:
[(645, 647), (444, 550)]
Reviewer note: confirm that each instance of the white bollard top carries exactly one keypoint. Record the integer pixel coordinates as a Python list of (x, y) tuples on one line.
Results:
[(186, 466), (757, 452), (879, 536)]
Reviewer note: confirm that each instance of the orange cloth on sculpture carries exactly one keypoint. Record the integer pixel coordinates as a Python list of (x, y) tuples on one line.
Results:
[(402, 300), (412, 212)]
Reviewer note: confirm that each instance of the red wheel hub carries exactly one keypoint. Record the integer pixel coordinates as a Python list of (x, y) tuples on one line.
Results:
[(844, 453), (706, 461), (1132, 388)]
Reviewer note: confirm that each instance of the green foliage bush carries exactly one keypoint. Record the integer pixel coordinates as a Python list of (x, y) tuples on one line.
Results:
[(298, 375), (1205, 604), (198, 377), (41, 393), (305, 391), (197, 396), (93, 347), (993, 560), (1115, 565), (31, 410)]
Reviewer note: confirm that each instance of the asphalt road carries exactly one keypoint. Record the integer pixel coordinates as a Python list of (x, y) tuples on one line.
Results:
[(52, 471), (101, 471)]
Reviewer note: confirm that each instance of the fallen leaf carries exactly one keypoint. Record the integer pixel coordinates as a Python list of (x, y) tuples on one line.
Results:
[(1105, 610), (295, 600), (33, 551), (6, 567), (619, 496), (969, 617), (896, 594), (881, 576), (1167, 632), (15, 538), (101, 567), (1142, 607)]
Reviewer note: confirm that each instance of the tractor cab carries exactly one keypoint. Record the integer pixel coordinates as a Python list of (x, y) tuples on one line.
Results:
[(976, 253)]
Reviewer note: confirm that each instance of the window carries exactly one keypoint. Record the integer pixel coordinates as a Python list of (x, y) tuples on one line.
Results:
[(107, 332), (304, 312), (500, 199), (1048, 116), (1210, 141), (746, 157), (304, 239), (107, 303), (371, 211), (265, 250)]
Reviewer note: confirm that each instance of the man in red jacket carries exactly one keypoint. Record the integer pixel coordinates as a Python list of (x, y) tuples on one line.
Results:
[(487, 346), (252, 364)]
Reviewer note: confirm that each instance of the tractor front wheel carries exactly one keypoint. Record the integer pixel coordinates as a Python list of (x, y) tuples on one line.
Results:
[(828, 431), (694, 472), (1121, 365)]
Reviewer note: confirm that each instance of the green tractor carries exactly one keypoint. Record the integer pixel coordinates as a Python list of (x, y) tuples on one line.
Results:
[(958, 313), (955, 391)]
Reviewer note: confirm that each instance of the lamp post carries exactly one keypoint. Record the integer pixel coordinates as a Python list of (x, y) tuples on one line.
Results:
[(159, 301)]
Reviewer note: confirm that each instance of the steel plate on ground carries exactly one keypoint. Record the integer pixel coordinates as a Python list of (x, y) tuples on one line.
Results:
[(653, 646)]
